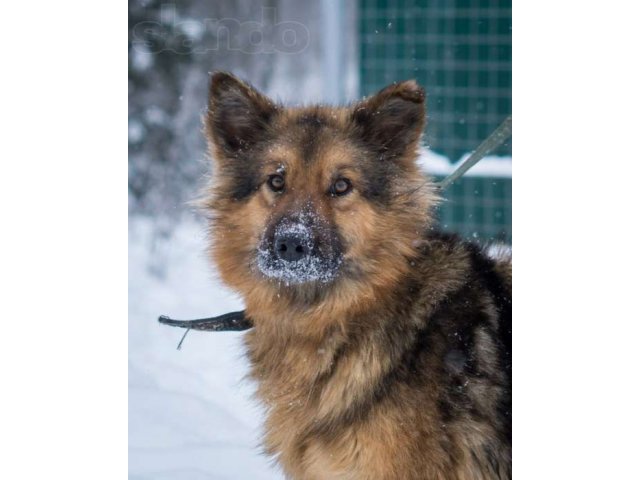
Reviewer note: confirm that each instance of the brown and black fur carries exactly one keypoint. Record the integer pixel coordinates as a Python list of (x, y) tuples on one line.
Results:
[(398, 366)]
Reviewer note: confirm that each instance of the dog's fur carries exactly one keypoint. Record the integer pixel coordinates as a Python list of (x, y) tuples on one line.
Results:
[(397, 363)]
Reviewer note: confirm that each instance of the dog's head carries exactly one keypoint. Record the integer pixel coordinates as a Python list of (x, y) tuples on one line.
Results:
[(306, 198)]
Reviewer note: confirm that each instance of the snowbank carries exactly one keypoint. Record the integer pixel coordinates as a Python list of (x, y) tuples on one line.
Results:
[(439, 165), (190, 412)]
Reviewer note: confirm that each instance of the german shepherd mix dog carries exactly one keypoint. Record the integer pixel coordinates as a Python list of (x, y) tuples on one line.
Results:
[(381, 348)]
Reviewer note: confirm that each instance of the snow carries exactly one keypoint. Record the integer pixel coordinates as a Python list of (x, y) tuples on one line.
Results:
[(136, 131), (499, 251), (141, 57), (191, 415), (489, 166), (312, 267)]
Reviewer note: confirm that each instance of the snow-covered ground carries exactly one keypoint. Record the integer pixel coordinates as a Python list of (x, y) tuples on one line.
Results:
[(191, 416)]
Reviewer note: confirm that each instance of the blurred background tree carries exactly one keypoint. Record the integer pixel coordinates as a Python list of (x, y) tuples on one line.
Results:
[(275, 45)]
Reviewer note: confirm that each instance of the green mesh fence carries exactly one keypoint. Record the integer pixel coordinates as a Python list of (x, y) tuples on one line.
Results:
[(461, 52)]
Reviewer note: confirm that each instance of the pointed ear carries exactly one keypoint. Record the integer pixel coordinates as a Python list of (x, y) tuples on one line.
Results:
[(392, 120), (238, 115)]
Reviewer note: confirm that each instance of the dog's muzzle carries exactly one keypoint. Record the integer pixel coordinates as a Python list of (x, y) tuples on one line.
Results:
[(298, 252)]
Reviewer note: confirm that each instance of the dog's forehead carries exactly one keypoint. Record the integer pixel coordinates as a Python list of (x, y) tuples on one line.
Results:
[(312, 140), (318, 159)]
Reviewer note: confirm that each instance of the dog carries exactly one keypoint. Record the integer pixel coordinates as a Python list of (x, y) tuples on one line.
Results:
[(381, 347)]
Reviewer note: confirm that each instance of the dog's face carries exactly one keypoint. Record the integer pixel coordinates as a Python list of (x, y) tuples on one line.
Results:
[(305, 197)]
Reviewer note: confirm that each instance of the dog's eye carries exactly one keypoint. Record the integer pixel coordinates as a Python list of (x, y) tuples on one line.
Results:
[(342, 186), (276, 183)]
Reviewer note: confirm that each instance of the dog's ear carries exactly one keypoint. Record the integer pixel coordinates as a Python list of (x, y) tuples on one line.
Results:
[(238, 115), (392, 120)]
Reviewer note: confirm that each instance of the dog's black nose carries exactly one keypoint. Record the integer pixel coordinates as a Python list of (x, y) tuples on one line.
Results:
[(290, 248)]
